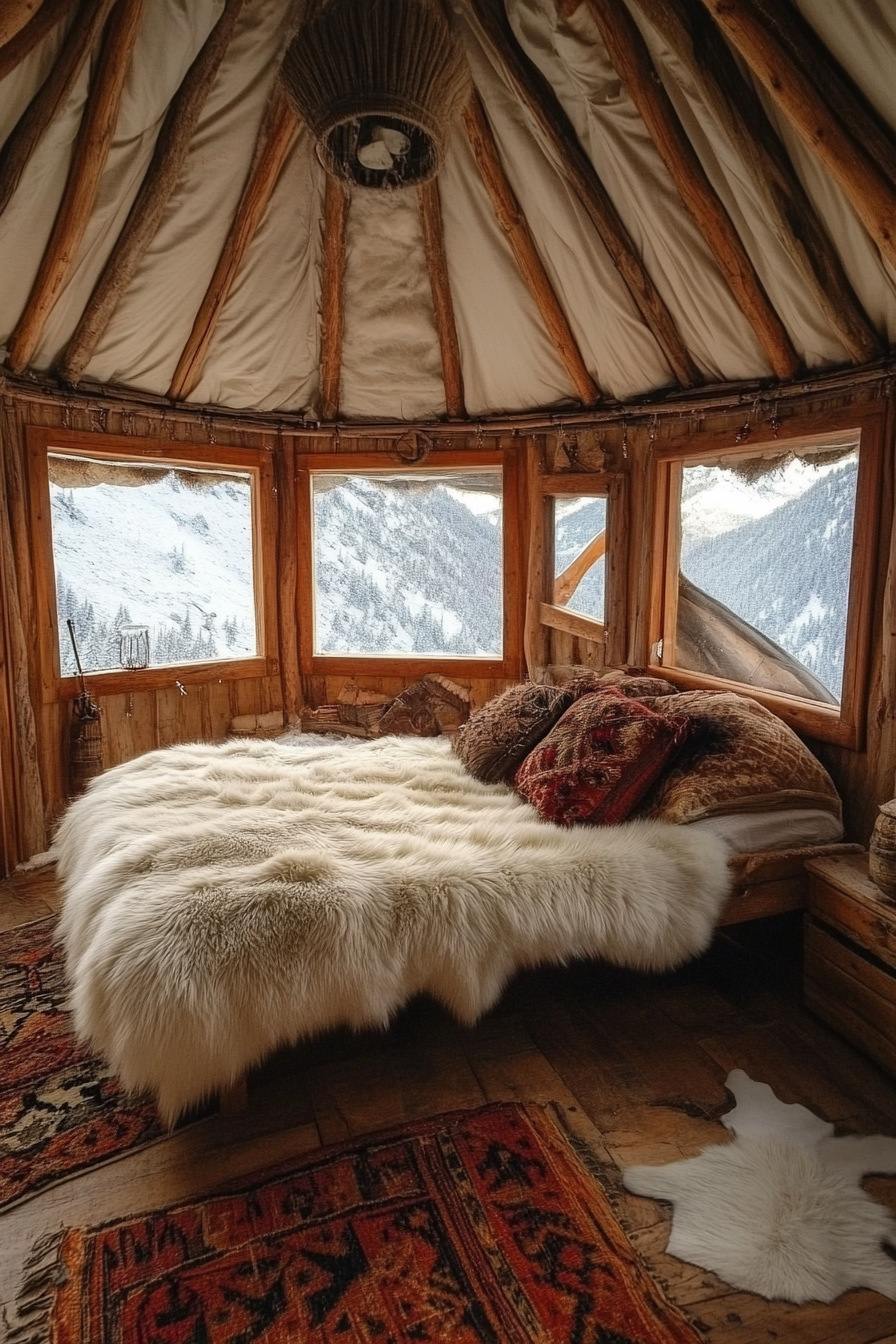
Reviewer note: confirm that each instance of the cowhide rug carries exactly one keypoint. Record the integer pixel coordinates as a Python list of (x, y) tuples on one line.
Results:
[(221, 901), (780, 1211)]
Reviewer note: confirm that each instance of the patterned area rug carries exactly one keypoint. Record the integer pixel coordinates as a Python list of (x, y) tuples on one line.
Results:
[(479, 1227), (60, 1109)]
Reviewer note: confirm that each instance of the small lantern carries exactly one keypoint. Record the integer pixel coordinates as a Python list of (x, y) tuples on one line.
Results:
[(133, 645), (377, 82)]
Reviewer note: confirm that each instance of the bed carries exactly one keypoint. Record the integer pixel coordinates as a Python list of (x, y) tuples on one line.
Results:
[(221, 901)]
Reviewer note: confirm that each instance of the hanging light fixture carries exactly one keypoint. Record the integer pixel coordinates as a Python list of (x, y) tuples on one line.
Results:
[(377, 82)]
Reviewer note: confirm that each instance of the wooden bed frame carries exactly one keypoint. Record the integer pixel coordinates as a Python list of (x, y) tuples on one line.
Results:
[(775, 882)]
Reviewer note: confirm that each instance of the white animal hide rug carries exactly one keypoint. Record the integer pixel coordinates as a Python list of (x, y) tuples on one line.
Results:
[(780, 1211), (221, 901)]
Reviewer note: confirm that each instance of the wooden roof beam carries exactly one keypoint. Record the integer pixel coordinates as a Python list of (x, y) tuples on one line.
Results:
[(686, 27), (443, 307), (88, 162), (169, 156), (332, 296), (14, 49), (513, 223), (274, 142), (533, 90), (628, 52), (788, 66), (25, 136)]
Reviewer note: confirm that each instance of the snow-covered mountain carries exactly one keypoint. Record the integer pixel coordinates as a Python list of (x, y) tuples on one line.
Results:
[(777, 552), (407, 567), (174, 554)]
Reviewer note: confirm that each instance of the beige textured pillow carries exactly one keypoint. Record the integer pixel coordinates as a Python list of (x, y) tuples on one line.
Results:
[(743, 759), (498, 737)]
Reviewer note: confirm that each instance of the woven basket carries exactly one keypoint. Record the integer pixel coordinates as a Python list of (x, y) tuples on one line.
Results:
[(358, 70)]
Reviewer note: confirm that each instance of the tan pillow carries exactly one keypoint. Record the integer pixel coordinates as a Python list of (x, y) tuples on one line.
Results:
[(498, 737), (741, 758), (633, 687)]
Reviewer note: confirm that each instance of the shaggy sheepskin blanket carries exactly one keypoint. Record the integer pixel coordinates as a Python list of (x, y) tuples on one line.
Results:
[(221, 901)]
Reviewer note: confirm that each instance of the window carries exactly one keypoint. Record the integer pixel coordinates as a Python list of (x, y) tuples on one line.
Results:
[(767, 553), (409, 563), (154, 562), (577, 586), (580, 544)]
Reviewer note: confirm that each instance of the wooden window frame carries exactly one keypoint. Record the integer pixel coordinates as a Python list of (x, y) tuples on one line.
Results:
[(256, 462), (611, 632), (510, 664), (843, 724)]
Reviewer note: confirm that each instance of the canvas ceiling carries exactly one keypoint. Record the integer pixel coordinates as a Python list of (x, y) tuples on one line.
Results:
[(265, 350)]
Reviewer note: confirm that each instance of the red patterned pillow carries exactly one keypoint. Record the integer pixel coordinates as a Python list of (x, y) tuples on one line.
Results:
[(599, 760)]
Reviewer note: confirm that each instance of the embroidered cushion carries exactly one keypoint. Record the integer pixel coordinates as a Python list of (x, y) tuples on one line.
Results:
[(741, 758), (497, 737), (599, 760)]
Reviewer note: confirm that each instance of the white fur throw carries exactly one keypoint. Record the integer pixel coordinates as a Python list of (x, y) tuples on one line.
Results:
[(780, 1210), (221, 901)]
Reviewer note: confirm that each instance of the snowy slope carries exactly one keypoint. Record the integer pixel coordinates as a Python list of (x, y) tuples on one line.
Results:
[(174, 558)]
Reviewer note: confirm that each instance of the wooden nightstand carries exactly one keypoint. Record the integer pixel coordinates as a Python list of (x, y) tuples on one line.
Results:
[(850, 961)]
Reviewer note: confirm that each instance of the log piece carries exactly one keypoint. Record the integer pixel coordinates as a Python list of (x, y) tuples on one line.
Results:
[(536, 94), (88, 162), (867, 185), (686, 27), (628, 52), (513, 223), (26, 135), (161, 178), (274, 142), (443, 307), (332, 295), (44, 20)]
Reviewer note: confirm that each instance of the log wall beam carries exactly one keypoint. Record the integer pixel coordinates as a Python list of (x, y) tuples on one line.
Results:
[(629, 54), (771, 56), (687, 29), (513, 222), (443, 307), (534, 91), (332, 296), (25, 136), (88, 162), (166, 165), (14, 49), (274, 142)]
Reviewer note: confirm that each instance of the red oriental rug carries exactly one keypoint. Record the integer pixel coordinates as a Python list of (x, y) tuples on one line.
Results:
[(478, 1227), (61, 1111)]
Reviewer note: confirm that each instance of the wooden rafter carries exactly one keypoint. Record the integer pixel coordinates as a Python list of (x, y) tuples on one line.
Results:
[(332, 296), (566, 583), (534, 91), (14, 49), (769, 46), (443, 307), (26, 135), (274, 141), (88, 162), (513, 223), (629, 54), (169, 156), (14, 15), (686, 27)]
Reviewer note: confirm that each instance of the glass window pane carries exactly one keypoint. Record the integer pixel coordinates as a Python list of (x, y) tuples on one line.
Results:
[(153, 564), (408, 563), (765, 560), (580, 523)]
